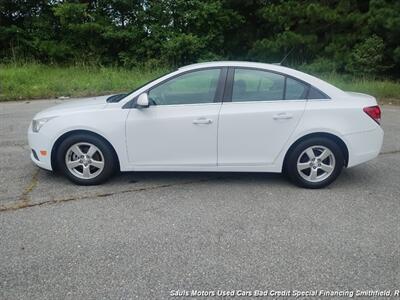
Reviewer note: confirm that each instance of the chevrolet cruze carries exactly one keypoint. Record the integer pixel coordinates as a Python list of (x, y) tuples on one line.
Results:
[(217, 116)]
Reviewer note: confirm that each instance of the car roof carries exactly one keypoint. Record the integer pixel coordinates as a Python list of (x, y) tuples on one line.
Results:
[(247, 64), (327, 88), (226, 63)]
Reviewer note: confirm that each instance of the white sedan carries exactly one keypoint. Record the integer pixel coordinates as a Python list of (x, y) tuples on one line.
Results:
[(217, 116)]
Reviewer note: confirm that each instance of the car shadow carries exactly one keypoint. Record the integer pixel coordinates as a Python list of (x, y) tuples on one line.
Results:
[(136, 177), (350, 177)]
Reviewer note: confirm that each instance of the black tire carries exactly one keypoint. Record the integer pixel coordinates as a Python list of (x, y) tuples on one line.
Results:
[(290, 166), (109, 157)]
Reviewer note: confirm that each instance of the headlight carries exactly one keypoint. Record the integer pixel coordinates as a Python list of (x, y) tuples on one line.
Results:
[(37, 124)]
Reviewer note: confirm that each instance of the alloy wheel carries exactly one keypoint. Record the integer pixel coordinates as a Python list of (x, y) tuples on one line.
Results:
[(84, 160), (316, 163)]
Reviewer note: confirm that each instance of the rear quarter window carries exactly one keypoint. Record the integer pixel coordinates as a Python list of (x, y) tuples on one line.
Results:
[(316, 94), (295, 89)]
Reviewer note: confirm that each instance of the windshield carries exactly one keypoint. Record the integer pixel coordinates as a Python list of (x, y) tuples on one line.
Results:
[(118, 97)]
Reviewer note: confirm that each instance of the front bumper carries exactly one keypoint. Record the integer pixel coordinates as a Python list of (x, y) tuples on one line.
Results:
[(38, 143)]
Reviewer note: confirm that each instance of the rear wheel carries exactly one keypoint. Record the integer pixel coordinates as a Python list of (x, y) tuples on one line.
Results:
[(86, 159), (314, 163)]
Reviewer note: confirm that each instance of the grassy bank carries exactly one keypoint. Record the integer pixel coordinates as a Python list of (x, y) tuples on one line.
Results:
[(33, 81), (384, 90)]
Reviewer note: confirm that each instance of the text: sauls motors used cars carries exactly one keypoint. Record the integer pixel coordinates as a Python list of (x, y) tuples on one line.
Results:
[(217, 116)]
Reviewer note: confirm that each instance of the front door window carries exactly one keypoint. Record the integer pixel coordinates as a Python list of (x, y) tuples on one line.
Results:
[(190, 88)]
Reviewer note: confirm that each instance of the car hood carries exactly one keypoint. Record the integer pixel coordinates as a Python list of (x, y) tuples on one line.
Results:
[(71, 106)]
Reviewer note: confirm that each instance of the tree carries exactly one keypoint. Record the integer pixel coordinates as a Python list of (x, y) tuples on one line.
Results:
[(334, 34), (367, 57)]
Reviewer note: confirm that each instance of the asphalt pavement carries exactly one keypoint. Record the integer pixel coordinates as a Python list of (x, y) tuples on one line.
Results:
[(152, 235)]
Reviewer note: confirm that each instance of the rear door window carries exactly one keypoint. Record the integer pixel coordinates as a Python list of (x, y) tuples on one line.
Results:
[(257, 85)]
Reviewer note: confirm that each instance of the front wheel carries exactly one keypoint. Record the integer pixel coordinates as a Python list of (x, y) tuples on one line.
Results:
[(86, 159), (314, 163)]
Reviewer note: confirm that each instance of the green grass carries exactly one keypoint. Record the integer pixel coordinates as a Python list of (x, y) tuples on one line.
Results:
[(35, 81), (383, 90)]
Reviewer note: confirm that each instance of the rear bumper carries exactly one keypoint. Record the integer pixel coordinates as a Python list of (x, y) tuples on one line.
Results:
[(37, 143), (364, 146)]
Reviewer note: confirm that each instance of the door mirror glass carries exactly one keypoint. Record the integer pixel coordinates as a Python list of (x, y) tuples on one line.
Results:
[(142, 101)]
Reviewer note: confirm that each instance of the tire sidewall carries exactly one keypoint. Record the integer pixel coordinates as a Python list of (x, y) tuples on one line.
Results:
[(291, 162), (109, 158)]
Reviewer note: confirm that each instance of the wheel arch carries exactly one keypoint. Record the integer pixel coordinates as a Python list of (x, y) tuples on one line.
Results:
[(330, 136), (61, 138)]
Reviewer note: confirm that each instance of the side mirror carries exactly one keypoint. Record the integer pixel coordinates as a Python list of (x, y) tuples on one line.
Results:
[(142, 101)]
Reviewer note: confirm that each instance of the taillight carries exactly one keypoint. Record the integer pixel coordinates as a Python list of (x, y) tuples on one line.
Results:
[(374, 112)]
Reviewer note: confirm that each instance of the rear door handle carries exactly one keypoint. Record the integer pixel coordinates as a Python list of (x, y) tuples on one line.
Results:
[(282, 116), (202, 121)]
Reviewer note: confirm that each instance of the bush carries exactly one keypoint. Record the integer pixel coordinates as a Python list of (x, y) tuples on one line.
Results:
[(367, 57), (182, 49), (320, 66)]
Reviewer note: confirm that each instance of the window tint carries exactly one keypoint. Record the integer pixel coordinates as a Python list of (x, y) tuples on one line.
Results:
[(295, 89), (190, 88), (256, 85), (316, 94)]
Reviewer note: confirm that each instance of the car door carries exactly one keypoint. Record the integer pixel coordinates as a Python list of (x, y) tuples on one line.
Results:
[(260, 111), (179, 128)]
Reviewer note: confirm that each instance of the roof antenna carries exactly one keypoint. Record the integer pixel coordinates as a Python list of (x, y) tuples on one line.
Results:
[(286, 56)]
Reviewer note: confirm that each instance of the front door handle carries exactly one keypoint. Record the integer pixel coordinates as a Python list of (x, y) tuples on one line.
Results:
[(282, 116), (202, 121)]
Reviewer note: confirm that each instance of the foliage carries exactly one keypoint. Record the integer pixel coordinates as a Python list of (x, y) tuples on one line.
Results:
[(320, 66), (367, 57), (355, 36)]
